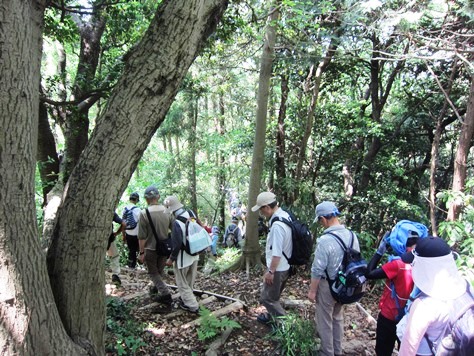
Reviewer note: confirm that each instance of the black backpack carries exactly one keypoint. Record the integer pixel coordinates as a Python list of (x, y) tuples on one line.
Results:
[(129, 218), (302, 240), (350, 285), (458, 336)]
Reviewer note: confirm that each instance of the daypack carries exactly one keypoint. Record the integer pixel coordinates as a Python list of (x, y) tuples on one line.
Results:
[(350, 285), (129, 218), (458, 336), (196, 237), (302, 240), (231, 239)]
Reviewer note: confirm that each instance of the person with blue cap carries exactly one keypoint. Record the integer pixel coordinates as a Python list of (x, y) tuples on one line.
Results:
[(327, 259), (398, 281)]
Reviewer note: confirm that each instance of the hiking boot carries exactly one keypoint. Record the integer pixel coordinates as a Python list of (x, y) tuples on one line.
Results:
[(265, 319), (116, 280), (164, 299), (153, 290), (189, 309)]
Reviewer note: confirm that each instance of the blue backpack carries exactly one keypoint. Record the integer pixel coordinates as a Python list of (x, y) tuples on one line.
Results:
[(129, 218)]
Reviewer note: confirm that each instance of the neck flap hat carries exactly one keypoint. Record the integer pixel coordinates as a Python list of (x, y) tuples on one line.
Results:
[(434, 269)]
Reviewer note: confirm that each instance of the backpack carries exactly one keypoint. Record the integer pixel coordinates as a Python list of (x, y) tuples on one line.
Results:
[(458, 336), (129, 218), (302, 240), (350, 285), (196, 237), (231, 239)]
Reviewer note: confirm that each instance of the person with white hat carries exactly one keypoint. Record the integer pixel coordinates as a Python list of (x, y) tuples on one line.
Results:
[(435, 273), (327, 259), (278, 245), (184, 265)]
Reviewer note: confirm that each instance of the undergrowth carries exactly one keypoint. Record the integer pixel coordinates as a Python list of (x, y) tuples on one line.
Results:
[(123, 332)]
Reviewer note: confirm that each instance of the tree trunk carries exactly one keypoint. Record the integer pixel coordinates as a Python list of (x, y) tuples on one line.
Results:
[(30, 323), (280, 151), (462, 153), (193, 103), (76, 128), (47, 158), (33, 322), (221, 181), (251, 254)]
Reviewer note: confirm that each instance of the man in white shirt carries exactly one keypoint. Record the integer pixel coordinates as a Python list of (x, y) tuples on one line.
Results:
[(279, 244)]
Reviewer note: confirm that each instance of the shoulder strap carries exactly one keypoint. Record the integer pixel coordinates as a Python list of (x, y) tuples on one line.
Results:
[(340, 242), (232, 231), (280, 219), (151, 224), (182, 219)]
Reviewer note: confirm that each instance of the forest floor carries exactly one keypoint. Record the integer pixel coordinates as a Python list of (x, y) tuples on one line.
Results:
[(175, 332)]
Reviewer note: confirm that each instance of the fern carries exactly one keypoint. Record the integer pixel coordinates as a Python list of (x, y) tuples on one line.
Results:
[(210, 326)]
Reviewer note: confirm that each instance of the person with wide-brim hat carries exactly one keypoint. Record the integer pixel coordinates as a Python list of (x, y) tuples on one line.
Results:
[(435, 273)]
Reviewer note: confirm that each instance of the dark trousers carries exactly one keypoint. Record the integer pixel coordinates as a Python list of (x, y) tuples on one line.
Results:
[(132, 244), (386, 336)]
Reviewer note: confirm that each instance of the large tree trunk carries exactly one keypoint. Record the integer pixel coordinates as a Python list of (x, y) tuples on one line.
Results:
[(30, 323), (251, 255), (462, 152), (33, 322), (76, 128)]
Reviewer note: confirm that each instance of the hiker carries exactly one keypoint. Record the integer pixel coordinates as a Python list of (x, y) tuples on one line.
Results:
[(435, 273), (278, 244), (233, 234), (112, 250), (214, 237), (131, 214), (148, 246), (327, 259), (184, 265), (398, 281)]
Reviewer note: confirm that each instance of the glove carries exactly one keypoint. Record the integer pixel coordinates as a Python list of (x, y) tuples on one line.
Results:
[(383, 245)]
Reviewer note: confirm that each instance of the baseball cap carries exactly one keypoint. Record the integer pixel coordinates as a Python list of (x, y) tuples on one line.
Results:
[(326, 208), (263, 199), (151, 192), (135, 197)]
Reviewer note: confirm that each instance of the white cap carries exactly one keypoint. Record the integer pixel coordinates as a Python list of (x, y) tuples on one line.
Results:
[(263, 199)]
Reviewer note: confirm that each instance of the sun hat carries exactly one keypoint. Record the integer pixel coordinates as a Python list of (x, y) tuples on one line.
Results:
[(434, 269), (263, 199), (135, 197), (151, 192), (326, 208), (172, 204)]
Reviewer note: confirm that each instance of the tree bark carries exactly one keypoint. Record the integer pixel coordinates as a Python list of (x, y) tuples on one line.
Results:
[(280, 151), (29, 321), (462, 153), (41, 316), (251, 253)]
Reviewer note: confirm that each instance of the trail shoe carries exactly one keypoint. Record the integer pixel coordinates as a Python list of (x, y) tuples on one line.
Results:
[(164, 299), (265, 318), (153, 290), (116, 280), (189, 309)]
